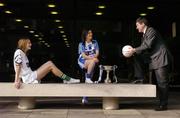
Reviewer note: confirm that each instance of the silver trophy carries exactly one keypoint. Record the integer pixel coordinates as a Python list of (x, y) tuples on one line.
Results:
[(107, 68)]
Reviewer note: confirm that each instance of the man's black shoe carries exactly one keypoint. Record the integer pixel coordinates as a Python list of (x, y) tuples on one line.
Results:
[(161, 108), (137, 81)]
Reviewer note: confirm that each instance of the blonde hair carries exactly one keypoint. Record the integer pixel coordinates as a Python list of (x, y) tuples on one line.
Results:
[(22, 43)]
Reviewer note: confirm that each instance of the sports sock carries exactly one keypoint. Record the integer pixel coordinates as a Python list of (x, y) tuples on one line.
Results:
[(88, 78), (65, 77), (88, 75)]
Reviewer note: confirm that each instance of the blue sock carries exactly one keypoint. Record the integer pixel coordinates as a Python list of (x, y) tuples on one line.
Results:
[(88, 75)]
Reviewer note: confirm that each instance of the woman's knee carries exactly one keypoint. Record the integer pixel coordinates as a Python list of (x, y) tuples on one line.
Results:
[(93, 62), (50, 63)]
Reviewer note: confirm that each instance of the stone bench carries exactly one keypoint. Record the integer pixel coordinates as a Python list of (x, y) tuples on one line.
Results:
[(109, 92)]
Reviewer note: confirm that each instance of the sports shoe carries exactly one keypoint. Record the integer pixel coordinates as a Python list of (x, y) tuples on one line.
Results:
[(88, 81), (139, 81), (84, 100), (71, 81), (36, 81), (161, 108)]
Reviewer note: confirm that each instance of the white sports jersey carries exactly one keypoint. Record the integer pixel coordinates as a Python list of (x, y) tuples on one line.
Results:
[(21, 58)]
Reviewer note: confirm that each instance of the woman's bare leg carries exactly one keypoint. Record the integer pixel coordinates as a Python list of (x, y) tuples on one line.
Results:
[(46, 68), (90, 64), (50, 67)]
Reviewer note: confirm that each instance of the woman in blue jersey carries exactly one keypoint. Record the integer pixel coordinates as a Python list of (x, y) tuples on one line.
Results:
[(88, 55)]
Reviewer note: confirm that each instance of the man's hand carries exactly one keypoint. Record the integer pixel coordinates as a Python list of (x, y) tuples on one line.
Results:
[(132, 50)]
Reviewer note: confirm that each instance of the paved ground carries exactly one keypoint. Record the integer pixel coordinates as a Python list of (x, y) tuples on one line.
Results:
[(72, 108)]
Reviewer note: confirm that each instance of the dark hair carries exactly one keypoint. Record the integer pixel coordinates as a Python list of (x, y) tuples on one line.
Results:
[(84, 34), (142, 20)]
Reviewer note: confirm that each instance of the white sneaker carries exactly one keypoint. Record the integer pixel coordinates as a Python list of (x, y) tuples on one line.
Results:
[(84, 100), (71, 81), (36, 81), (88, 81)]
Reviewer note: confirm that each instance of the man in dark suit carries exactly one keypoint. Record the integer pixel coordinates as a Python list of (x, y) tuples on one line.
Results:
[(159, 58)]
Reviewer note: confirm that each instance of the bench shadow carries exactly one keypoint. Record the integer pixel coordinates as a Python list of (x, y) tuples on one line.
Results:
[(68, 104), (96, 103)]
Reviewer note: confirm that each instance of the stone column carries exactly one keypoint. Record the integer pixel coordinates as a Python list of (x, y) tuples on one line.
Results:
[(27, 103), (110, 103)]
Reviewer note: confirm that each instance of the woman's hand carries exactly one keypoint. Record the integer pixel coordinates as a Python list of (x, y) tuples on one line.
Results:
[(17, 84), (96, 60)]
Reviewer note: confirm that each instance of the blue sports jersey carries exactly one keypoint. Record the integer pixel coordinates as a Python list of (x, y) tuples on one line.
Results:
[(87, 48)]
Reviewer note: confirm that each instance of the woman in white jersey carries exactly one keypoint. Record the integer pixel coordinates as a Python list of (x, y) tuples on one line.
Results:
[(24, 72), (88, 56)]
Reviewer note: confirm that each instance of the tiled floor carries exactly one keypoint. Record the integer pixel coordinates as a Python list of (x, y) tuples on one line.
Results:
[(72, 108)]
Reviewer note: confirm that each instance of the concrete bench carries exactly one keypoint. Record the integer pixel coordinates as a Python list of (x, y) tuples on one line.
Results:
[(109, 92)]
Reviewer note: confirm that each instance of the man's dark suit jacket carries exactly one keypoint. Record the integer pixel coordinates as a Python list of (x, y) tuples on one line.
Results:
[(153, 42)]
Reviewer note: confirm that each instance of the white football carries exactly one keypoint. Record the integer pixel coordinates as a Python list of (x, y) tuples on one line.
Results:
[(126, 51)]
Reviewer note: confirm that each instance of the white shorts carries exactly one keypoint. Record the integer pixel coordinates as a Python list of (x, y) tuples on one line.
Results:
[(30, 78)]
